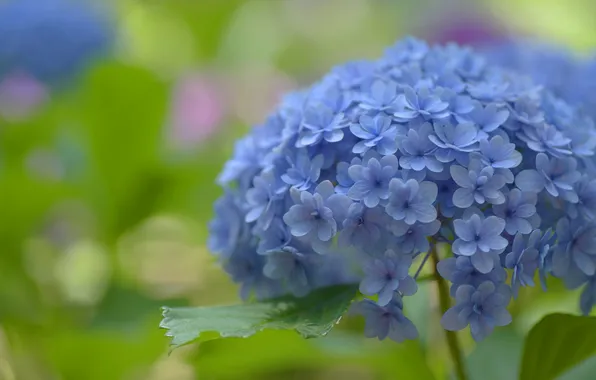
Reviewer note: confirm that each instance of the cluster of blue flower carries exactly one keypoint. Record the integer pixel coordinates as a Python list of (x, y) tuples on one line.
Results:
[(51, 40), (363, 174), (567, 75)]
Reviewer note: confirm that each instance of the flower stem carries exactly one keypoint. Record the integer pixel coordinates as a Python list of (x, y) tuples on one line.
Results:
[(445, 303)]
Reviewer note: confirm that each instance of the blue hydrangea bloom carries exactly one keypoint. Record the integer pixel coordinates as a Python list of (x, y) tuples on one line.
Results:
[(321, 123), (556, 175), (387, 275), (479, 238), (51, 40), (454, 141), (518, 212), (352, 179), (386, 321), (422, 103), (412, 201), (418, 150), (482, 308), (478, 184), (376, 132), (371, 180), (460, 271), (523, 260)]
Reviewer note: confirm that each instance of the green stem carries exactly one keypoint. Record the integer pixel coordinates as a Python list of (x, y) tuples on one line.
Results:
[(445, 303)]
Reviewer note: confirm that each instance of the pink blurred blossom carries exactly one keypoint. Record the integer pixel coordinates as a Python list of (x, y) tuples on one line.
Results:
[(20, 96), (198, 109)]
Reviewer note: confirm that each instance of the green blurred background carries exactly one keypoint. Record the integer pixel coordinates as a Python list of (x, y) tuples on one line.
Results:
[(106, 189)]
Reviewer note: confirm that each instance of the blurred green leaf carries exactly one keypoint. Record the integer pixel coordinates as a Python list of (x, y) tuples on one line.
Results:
[(557, 343), (123, 110), (312, 316), (504, 344), (274, 352)]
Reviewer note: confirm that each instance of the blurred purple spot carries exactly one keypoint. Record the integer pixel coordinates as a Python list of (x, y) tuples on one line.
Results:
[(197, 109), (20, 96)]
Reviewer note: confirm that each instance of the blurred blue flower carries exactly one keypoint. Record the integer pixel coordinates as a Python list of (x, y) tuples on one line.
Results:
[(482, 308), (460, 271), (385, 321), (362, 226), (575, 248), (487, 118), (387, 275), (523, 260), (557, 176), (51, 40)]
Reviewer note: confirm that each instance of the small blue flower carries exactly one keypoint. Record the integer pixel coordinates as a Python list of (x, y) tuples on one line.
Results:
[(314, 213), (477, 184), (246, 268), (575, 249), (479, 238), (244, 164), (524, 260), (519, 212), (411, 105), (483, 308), (293, 268), (543, 243), (273, 239), (499, 153), (381, 97), (412, 201), (414, 238), (344, 181), (384, 276), (225, 229), (321, 123), (267, 189), (526, 111), (557, 176), (487, 118), (371, 181), (385, 321), (545, 138), (362, 226), (408, 49), (418, 150), (585, 207), (454, 141), (587, 300), (375, 132), (303, 172), (446, 188), (460, 271)]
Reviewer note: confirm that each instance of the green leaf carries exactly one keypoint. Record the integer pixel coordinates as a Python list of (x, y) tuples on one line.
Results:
[(557, 343), (311, 316)]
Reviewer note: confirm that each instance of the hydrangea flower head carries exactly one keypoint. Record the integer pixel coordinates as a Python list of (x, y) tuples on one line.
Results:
[(370, 166)]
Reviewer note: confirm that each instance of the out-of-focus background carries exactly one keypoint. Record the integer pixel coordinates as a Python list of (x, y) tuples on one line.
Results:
[(115, 118)]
